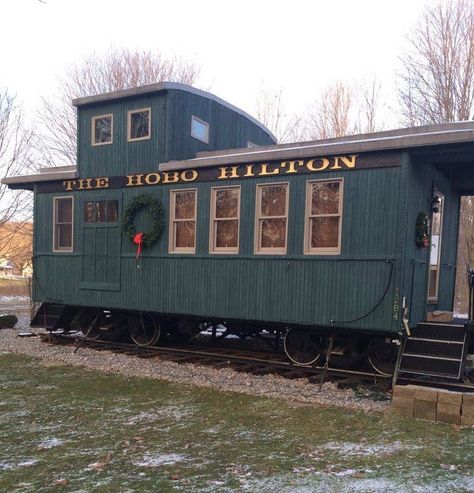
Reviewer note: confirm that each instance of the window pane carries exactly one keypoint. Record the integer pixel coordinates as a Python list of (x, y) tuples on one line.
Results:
[(199, 130), (89, 212), (432, 283), (227, 233), (185, 234), (184, 205), (436, 226), (273, 233), (273, 201), (112, 211), (325, 198), (64, 210), (64, 236), (101, 210), (325, 232), (139, 124), (103, 130), (227, 203)]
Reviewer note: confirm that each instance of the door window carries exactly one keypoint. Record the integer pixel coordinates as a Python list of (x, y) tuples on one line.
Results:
[(435, 249)]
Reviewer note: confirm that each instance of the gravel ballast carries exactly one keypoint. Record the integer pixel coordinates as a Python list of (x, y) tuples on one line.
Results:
[(225, 379)]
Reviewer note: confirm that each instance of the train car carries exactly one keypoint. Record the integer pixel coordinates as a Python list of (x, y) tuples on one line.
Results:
[(182, 212)]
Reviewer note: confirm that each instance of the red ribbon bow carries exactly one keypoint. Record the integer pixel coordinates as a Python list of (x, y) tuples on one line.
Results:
[(138, 239)]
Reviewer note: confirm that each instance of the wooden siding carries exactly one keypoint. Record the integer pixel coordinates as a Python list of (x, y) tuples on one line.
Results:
[(227, 129), (171, 113), (292, 288)]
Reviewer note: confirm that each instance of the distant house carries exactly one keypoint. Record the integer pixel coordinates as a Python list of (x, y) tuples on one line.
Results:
[(6, 267)]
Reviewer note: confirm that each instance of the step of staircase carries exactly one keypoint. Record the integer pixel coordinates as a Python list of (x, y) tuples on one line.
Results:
[(435, 350)]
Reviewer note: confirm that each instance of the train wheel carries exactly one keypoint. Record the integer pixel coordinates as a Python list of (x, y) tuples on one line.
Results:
[(384, 358), (303, 346), (144, 330)]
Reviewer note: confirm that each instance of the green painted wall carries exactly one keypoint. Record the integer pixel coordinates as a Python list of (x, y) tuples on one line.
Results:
[(293, 288), (171, 112)]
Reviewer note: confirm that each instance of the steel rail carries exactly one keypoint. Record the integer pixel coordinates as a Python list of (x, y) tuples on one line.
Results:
[(208, 355)]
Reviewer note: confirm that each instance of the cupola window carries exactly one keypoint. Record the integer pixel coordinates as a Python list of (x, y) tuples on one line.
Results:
[(139, 124), (102, 130), (199, 129)]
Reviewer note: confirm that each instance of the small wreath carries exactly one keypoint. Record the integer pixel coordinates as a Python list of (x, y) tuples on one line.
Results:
[(156, 210), (422, 230)]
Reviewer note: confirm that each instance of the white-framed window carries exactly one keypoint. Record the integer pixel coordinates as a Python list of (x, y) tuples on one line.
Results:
[(271, 218), (183, 221), (225, 217), (139, 124), (63, 216), (199, 129), (323, 223), (102, 129)]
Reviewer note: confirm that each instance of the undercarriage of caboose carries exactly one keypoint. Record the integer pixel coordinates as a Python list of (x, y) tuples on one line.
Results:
[(304, 346)]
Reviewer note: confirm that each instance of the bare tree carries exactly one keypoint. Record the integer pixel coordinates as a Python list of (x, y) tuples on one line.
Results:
[(344, 109), (272, 113), (330, 116), (368, 102), (118, 69), (437, 78), (16, 144)]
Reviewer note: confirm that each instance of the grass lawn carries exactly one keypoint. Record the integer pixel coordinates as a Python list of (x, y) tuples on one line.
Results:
[(13, 287), (67, 429)]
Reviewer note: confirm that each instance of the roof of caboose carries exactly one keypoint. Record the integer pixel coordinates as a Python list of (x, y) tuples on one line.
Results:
[(423, 137)]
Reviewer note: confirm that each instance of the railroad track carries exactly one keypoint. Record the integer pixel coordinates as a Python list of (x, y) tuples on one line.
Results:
[(257, 363)]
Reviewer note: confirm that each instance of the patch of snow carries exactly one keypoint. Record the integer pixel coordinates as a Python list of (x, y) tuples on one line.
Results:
[(27, 463), (5, 466), (14, 299), (50, 443), (157, 460), (174, 412), (364, 449), (347, 472), (146, 416)]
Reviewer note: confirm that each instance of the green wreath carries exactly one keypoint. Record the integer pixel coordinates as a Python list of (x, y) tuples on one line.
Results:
[(422, 230), (156, 210)]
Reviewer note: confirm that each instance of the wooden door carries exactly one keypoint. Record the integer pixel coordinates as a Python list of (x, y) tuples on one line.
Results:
[(101, 244)]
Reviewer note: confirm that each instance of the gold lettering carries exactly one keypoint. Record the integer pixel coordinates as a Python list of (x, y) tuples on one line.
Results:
[(85, 184), (265, 172), (69, 184), (291, 165), (102, 182), (349, 161), (192, 172), (152, 178), (134, 180), (225, 172), (249, 170), (171, 177), (324, 164)]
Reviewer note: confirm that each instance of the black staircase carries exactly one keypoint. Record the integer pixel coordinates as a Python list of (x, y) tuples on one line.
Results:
[(52, 316), (435, 350)]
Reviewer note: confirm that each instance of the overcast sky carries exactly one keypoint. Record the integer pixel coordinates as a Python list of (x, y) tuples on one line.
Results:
[(242, 46)]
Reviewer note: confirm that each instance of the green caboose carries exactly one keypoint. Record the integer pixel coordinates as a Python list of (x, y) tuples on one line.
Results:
[(182, 211)]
